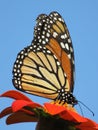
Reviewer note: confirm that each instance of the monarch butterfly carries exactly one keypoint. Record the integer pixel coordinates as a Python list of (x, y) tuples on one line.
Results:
[(46, 67)]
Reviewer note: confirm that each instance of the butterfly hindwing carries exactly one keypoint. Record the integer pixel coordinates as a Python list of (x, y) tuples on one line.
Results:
[(37, 71)]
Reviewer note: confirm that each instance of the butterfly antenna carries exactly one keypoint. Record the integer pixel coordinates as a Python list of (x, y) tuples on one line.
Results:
[(81, 109), (85, 107)]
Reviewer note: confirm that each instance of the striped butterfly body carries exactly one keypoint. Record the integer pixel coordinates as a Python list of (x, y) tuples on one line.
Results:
[(46, 67)]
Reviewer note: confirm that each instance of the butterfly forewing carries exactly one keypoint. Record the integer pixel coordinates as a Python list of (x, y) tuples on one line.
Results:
[(55, 36)]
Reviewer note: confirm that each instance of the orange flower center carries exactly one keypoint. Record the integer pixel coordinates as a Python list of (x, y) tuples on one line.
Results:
[(59, 103)]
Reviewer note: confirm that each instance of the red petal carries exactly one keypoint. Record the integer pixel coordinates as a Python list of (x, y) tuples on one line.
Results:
[(88, 125), (91, 123), (6, 111), (19, 104), (87, 128), (19, 117), (15, 95), (73, 116), (64, 113), (28, 111), (53, 109)]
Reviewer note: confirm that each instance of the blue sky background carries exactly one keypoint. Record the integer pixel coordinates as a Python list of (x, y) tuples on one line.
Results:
[(17, 20)]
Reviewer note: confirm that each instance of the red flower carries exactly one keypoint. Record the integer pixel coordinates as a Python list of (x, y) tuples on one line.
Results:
[(24, 109)]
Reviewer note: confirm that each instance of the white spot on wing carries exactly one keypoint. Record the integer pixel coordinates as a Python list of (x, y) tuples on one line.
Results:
[(59, 19), (55, 18), (62, 36), (43, 42), (40, 40), (69, 56), (71, 49), (43, 36), (69, 40), (51, 21), (47, 40), (20, 87), (48, 51), (55, 34), (67, 46), (48, 35), (65, 35), (40, 24), (62, 45), (58, 63)]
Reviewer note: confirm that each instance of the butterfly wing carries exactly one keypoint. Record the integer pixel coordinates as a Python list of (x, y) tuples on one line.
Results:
[(37, 71), (46, 68), (51, 31)]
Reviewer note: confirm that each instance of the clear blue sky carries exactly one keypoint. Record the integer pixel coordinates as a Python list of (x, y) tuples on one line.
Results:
[(17, 20)]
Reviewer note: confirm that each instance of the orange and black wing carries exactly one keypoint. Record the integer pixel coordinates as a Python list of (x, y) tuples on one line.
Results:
[(37, 71), (51, 32), (46, 67)]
